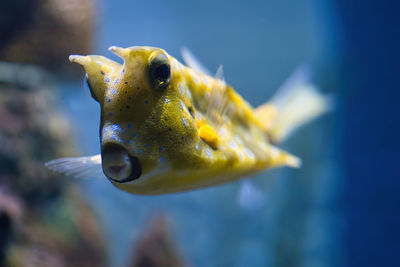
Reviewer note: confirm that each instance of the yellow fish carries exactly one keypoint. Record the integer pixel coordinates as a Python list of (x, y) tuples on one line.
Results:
[(166, 127)]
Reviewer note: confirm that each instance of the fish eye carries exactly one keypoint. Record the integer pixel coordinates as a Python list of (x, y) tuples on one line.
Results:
[(160, 71)]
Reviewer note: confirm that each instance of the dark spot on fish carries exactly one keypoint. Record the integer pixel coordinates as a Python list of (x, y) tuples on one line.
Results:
[(127, 107), (126, 83), (129, 97), (118, 99), (169, 129), (120, 109), (137, 88), (183, 138), (126, 91), (102, 73)]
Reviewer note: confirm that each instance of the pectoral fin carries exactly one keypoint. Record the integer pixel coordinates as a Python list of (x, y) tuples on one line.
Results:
[(79, 167)]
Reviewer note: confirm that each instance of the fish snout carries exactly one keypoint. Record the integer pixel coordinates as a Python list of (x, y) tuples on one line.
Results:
[(118, 165)]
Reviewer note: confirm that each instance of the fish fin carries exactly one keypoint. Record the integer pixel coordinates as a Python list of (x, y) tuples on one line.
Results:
[(192, 62), (218, 103), (250, 197), (266, 114), (296, 103), (218, 98), (79, 167), (219, 74), (210, 130), (279, 157)]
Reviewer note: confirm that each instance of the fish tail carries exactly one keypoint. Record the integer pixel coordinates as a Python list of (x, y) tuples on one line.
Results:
[(296, 103)]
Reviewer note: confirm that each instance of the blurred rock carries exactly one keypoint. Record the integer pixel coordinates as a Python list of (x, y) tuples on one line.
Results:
[(44, 220), (45, 32), (155, 247)]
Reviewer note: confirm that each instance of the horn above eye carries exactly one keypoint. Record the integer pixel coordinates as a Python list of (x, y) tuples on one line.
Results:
[(160, 72)]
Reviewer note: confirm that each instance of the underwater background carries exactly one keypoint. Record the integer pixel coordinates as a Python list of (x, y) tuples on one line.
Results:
[(339, 209)]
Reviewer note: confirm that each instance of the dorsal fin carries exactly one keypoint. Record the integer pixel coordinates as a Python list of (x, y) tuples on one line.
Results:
[(192, 62), (217, 102), (216, 110), (218, 99)]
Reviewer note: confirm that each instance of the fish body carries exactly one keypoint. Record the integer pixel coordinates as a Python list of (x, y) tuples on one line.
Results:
[(166, 127)]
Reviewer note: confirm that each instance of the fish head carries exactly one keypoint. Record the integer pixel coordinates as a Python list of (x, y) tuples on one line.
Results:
[(147, 127)]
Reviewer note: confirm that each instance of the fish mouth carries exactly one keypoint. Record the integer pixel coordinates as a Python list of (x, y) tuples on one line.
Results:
[(118, 165)]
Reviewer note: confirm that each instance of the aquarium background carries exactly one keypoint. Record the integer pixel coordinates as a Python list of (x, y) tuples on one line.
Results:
[(339, 209)]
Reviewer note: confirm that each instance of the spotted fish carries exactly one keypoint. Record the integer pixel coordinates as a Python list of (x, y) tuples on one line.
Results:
[(166, 127)]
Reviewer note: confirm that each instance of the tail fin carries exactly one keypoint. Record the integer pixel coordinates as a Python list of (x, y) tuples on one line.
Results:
[(296, 103)]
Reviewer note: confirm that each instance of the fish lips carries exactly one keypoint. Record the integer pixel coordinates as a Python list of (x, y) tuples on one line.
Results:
[(118, 165)]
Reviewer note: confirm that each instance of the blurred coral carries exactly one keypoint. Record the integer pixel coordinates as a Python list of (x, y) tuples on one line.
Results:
[(45, 32), (155, 247), (44, 220)]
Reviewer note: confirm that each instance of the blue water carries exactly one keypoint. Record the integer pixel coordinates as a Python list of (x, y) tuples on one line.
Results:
[(260, 44)]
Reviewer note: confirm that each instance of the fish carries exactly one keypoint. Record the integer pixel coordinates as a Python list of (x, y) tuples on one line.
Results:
[(168, 127)]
